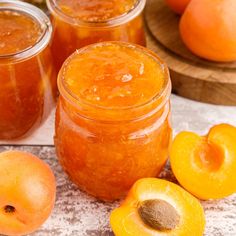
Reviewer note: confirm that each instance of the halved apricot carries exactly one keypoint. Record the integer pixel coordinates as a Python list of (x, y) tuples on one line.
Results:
[(158, 207), (206, 166)]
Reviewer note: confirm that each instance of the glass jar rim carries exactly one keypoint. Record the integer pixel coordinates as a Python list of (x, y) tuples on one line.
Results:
[(40, 17), (119, 20), (163, 93)]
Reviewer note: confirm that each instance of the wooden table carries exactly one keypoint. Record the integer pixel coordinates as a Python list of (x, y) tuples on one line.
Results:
[(77, 214)]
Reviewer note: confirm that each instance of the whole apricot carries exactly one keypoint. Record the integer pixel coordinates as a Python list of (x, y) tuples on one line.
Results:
[(208, 29), (158, 207), (178, 6), (206, 166), (27, 192)]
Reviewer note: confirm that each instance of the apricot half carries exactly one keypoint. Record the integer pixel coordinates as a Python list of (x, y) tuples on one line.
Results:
[(206, 166), (158, 207), (27, 192)]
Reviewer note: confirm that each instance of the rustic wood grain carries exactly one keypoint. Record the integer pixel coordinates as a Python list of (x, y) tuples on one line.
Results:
[(77, 214), (192, 77)]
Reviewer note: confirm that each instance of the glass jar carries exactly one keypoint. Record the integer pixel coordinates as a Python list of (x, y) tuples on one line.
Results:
[(113, 126), (72, 31), (27, 75)]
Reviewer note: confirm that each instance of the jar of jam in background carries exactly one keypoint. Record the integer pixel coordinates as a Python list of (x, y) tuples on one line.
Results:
[(27, 75), (78, 23), (113, 117)]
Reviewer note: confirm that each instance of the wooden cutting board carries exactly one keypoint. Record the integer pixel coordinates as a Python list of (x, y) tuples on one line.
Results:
[(192, 77)]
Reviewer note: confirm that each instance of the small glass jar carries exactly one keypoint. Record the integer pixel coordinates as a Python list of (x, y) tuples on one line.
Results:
[(71, 32), (27, 75), (113, 127)]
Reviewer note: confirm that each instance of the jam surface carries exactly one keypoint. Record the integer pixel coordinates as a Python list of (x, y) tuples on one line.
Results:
[(18, 32), (113, 76), (96, 10)]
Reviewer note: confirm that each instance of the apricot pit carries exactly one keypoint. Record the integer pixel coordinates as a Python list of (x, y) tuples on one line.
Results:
[(158, 214)]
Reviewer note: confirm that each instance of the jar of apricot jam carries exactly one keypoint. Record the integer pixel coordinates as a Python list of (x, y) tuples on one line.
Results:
[(113, 117), (27, 76), (78, 23)]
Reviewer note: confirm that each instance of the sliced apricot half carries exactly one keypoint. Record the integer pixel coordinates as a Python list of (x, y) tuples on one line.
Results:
[(158, 207), (206, 166)]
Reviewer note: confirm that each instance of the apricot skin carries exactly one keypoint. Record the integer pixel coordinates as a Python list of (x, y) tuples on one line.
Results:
[(27, 193), (208, 29), (206, 166)]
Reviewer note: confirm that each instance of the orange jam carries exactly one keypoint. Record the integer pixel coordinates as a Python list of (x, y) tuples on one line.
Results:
[(113, 117), (78, 23), (17, 32), (96, 10), (27, 76)]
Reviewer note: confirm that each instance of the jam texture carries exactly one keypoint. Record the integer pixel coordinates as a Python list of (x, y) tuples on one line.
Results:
[(113, 117)]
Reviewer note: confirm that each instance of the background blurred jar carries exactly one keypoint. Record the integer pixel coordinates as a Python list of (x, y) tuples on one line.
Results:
[(27, 75), (79, 23)]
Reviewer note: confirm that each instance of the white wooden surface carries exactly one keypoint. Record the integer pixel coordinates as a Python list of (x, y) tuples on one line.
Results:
[(77, 214)]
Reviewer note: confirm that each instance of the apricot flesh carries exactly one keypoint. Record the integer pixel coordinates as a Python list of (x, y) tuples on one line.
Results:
[(188, 215), (27, 193), (206, 166)]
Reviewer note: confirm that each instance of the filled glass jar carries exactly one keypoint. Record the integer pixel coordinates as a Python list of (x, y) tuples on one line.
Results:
[(80, 23), (113, 117), (27, 76)]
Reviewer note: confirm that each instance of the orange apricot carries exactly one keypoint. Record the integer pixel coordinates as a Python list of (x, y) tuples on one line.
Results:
[(27, 193), (158, 207), (208, 29), (178, 6), (206, 166)]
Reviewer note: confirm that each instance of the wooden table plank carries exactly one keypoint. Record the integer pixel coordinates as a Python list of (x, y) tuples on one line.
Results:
[(77, 214)]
